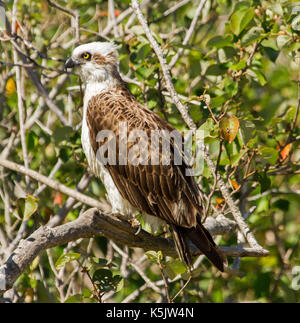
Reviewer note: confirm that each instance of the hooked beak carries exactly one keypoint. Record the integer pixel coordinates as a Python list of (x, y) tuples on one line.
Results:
[(70, 63)]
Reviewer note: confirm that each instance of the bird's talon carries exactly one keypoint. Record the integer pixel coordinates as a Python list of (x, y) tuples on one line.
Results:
[(138, 230)]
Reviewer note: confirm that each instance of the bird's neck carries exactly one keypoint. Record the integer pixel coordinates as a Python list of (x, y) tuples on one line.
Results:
[(111, 83), (94, 87)]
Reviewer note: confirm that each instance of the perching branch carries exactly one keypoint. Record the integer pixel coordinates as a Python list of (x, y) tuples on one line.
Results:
[(93, 222)]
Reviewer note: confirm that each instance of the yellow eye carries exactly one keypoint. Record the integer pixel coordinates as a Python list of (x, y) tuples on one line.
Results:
[(86, 56)]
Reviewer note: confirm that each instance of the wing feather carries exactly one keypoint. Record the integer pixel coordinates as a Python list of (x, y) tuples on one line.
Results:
[(159, 190)]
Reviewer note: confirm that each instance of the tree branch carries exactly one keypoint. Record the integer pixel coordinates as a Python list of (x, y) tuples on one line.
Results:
[(52, 183), (75, 15), (91, 223), (189, 32)]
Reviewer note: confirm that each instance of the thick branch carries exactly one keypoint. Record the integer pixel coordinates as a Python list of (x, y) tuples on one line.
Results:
[(91, 223)]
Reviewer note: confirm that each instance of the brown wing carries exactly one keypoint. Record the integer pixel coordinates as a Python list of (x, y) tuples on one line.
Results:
[(160, 190)]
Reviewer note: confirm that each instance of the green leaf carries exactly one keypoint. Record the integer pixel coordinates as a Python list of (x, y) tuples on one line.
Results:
[(269, 154), (231, 89), (263, 180), (86, 292), (134, 58), (282, 204), (241, 5), (50, 152), (151, 104), (239, 66), (282, 41), (240, 19), (221, 41), (254, 34), (26, 207), (218, 101), (105, 280), (169, 272), (261, 284), (31, 140), (247, 130), (216, 69), (31, 206), (120, 285), (66, 258), (271, 43), (154, 256), (258, 75), (101, 262), (263, 205), (65, 154), (189, 47), (271, 53), (207, 126), (34, 263), (144, 72), (236, 158), (194, 273), (177, 267), (290, 115), (143, 52), (61, 134), (271, 48)]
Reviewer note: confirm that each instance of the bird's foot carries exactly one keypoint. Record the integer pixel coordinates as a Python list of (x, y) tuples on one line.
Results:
[(136, 224)]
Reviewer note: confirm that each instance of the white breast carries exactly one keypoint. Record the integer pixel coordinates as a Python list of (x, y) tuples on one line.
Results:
[(119, 205)]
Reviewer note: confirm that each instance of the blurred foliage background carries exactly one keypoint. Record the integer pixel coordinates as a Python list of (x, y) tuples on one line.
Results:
[(241, 61)]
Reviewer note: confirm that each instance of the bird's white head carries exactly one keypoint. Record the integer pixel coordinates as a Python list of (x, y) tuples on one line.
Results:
[(97, 61)]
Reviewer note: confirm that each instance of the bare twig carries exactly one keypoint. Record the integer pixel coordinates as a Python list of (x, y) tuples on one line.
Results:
[(75, 15), (165, 67), (138, 270), (182, 288), (189, 32), (171, 10), (112, 17), (51, 183), (165, 280), (21, 100)]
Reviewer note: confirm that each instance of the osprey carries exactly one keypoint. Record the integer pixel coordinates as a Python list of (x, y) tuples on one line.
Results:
[(160, 191)]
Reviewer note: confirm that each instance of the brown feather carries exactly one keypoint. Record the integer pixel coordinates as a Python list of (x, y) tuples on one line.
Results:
[(160, 190)]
